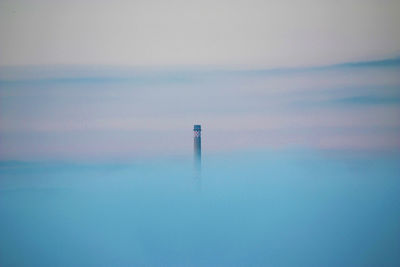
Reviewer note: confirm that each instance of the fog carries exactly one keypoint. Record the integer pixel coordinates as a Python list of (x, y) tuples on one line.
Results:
[(286, 208), (119, 113), (299, 106)]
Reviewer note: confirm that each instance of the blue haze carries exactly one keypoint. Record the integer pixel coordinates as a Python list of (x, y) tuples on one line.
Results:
[(301, 166), (99, 112), (260, 208)]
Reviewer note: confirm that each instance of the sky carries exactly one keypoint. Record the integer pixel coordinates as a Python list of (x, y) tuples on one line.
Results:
[(239, 33), (101, 80)]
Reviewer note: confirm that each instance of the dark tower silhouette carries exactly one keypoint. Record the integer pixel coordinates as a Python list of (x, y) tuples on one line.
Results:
[(197, 143), (197, 155)]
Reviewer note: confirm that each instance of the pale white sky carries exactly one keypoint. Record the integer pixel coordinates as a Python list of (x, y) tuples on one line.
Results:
[(209, 32)]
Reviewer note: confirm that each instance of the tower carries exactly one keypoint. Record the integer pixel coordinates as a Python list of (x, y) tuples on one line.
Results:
[(197, 156), (197, 145)]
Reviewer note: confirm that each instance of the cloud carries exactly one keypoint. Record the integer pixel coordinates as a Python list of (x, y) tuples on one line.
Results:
[(68, 111), (367, 100)]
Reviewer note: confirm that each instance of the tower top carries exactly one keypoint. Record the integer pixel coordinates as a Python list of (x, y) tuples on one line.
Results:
[(197, 127)]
